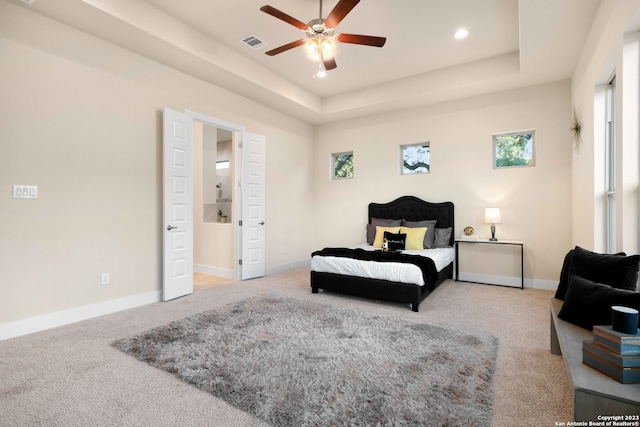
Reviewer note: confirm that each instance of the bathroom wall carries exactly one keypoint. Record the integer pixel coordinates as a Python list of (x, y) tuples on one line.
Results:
[(213, 242), (224, 178)]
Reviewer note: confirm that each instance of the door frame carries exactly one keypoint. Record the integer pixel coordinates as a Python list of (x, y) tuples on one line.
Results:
[(238, 131)]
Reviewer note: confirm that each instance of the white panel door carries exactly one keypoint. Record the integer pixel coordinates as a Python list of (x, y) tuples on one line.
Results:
[(178, 205), (253, 206)]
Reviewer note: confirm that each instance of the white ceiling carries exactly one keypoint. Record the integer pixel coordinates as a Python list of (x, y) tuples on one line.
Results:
[(513, 43)]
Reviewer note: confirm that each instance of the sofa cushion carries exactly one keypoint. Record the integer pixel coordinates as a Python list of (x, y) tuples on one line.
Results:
[(564, 276), (588, 303), (618, 270)]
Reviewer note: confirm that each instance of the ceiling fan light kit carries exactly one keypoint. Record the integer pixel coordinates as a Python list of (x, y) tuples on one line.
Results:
[(320, 47), (321, 40)]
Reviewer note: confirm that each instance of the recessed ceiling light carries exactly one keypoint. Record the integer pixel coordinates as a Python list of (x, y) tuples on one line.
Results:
[(461, 33)]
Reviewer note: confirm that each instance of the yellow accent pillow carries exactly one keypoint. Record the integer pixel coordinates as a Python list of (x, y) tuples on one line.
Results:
[(415, 237), (377, 242)]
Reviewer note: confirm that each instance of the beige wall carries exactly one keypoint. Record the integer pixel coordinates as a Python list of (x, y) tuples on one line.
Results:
[(535, 201), (82, 119), (602, 56)]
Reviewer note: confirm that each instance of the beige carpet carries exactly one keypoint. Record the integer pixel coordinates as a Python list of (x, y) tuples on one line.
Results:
[(71, 376)]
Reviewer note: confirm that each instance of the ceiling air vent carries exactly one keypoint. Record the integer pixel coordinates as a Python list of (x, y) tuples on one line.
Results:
[(29, 2), (254, 42)]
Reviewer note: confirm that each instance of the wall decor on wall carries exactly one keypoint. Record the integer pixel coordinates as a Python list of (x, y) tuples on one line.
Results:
[(415, 158), (342, 165), (576, 129), (514, 149)]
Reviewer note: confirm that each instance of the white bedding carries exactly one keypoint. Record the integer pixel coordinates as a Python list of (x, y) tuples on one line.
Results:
[(391, 271)]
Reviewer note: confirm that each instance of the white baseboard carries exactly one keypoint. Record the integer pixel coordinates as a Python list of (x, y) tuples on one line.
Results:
[(279, 268), (550, 285), (60, 318), (214, 271), (470, 277), (508, 281)]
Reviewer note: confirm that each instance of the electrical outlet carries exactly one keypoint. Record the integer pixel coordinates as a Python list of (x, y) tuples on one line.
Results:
[(104, 279), (25, 191)]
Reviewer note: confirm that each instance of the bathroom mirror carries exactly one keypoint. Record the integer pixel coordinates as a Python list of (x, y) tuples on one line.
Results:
[(217, 174)]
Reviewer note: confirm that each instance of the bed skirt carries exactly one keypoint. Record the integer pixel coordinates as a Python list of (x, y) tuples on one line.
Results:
[(378, 289)]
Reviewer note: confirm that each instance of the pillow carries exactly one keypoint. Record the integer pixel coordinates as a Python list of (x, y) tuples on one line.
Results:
[(415, 237), (371, 228), (443, 237), (396, 241), (377, 242), (564, 276), (566, 270), (614, 270), (431, 230), (588, 303)]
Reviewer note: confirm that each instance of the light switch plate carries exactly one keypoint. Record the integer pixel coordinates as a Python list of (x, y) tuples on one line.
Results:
[(25, 191)]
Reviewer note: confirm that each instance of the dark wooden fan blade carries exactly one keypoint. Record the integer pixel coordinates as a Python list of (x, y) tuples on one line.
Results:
[(329, 63), (285, 47), (339, 12), (284, 17), (360, 39)]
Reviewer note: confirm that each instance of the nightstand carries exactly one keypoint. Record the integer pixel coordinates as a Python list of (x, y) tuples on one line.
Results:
[(490, 242)]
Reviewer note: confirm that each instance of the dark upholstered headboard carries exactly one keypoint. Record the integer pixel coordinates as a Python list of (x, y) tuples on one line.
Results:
[(414, 209)]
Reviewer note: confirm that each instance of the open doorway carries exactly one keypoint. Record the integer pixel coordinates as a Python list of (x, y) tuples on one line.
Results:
[(213, 237), (184, 207)]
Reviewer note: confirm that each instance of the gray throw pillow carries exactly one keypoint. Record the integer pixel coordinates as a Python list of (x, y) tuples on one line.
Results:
[(443, 237), (382, 222)]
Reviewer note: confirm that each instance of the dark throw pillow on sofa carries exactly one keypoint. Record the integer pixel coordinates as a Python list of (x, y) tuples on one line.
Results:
[(396, 241), (566, 270), (588, 303), (564, 276), (616, 270)]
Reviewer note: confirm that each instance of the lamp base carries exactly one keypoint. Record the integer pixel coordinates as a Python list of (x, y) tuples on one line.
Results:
[(493, 233)]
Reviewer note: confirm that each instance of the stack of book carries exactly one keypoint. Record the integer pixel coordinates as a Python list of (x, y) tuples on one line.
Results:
[(614, 354)]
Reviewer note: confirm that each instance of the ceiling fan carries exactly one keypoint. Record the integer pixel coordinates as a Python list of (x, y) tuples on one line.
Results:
[(321, 37)]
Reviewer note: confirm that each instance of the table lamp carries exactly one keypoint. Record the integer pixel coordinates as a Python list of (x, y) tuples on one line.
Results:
[(492, 216)]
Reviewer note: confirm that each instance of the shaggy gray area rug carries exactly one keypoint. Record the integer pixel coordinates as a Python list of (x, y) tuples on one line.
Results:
[(295, 363)]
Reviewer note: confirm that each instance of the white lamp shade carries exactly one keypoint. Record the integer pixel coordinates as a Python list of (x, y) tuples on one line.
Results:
[(492, 215)]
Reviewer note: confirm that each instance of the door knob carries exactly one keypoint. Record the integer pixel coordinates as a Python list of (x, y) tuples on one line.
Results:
[(171, 227), (261, 223)]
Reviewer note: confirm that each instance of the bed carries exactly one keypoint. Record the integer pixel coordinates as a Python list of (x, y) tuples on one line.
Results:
[(369, 272)]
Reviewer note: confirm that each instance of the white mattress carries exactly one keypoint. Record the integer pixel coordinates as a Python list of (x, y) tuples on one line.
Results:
[(391, 271)]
